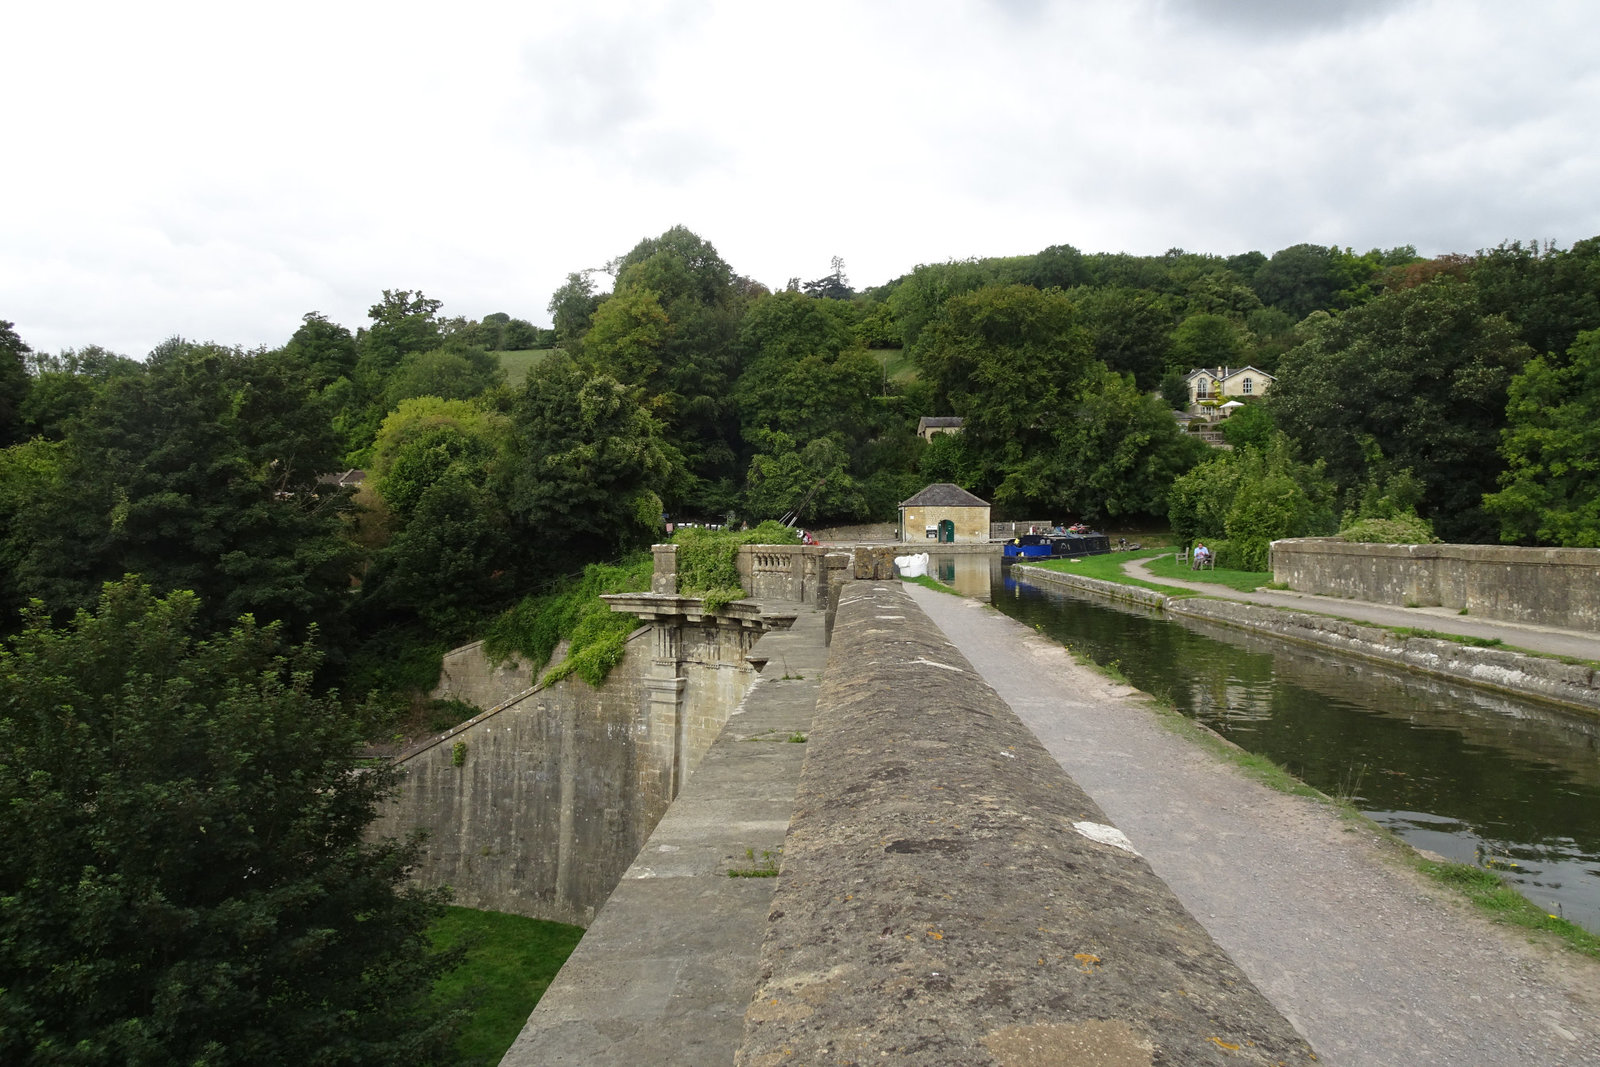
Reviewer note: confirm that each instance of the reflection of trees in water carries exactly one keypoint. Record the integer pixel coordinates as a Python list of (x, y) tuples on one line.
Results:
[(1510, 770)]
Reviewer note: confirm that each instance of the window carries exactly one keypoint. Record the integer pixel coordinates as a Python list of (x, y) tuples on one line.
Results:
[(1200, 389), (1249, 386)]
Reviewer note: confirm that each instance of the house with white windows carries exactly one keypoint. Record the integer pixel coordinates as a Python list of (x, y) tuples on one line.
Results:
[(1212, 388)]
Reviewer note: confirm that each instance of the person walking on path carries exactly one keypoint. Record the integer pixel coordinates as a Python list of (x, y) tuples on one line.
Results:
[(1375, 965)]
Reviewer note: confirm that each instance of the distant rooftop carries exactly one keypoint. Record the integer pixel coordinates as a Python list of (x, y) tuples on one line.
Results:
[(944, 495)]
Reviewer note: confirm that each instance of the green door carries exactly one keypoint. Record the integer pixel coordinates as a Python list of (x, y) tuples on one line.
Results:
[(947, 530)]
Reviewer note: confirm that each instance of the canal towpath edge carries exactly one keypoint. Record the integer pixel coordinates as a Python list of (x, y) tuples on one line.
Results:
[(1373, 963)]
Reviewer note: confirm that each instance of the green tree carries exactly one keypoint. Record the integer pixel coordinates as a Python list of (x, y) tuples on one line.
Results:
[(1208, 341), (920, 295), (1249, 427), (321, 351), (1550, 294), (14, 383), (813, 479), (453, 372), (1130, 331), (184, 876), (1423, 374), (1550, 491), (587, 467), (571, 308), (65, 385), (1011, 360), (1114, 454), (201, 472)]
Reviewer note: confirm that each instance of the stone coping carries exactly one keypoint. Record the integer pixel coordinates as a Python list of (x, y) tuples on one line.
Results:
[(949, 895)]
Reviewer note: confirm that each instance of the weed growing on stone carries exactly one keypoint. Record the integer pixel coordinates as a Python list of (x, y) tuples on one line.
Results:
[(1474, 642), (765, 867), (797, 738)]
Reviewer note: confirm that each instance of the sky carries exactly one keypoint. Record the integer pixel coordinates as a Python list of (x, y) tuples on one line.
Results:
[(217, 171)]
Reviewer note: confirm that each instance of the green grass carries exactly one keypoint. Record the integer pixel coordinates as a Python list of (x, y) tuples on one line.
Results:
[(897, 365), (1167, 566), (932, 583), (1460, 639), (517, 364), (1108, 568), (510, 961)]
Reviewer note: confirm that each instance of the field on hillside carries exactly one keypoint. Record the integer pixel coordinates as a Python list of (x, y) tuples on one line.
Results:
[(897, 366), (517, 364)]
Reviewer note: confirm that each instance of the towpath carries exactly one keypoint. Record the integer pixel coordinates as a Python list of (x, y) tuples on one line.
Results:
[(1582, 644), (1374, 964)]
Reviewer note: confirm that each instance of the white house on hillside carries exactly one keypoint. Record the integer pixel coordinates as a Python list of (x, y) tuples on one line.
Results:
[(1211, 384)]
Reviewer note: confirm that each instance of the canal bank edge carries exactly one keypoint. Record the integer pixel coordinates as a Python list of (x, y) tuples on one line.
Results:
[(1570, 685)]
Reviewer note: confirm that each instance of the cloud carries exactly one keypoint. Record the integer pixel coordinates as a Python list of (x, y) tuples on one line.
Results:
[(219, 172)]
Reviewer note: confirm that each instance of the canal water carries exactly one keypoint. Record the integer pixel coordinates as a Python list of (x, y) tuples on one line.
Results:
[(1509, 785)]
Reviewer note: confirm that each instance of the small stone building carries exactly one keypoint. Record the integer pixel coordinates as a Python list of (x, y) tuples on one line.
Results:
[(944, 512), (930, 425)]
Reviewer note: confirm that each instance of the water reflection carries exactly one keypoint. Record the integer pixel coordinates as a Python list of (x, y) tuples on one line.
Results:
[(1509, 785)]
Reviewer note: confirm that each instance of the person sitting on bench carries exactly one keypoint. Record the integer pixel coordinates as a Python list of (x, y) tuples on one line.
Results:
[(1202, 556)]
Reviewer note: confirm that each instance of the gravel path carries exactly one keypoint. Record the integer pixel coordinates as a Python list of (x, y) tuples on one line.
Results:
[(1373, 963)]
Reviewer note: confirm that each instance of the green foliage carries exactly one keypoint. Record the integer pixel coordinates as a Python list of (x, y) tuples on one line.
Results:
[(199, 471), (1550, 490), (1250, 497), (1249, 427), (708, 559), (390, 665), (184, 875), (1402, 530), (1422, 374), (510, 961), (587, 463), (455, 372), (532, 628), (14, 383)]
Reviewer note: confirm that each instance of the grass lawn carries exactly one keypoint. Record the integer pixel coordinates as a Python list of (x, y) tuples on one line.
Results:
[(1108, 568), (897, 366), (517, 364), (1167, 566), (1163, 564), (510, 960)]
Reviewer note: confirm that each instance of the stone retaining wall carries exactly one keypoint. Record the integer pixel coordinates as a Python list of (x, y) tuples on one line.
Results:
[(949, 895), (1574, 685), (1543, 586), (1542, 677)]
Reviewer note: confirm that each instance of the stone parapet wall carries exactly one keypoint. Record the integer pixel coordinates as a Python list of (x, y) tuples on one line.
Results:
[(1543, 586), (949, 895)]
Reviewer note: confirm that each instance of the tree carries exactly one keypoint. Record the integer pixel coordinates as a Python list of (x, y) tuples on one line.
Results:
[(1550, 294), (834, 286), (184, 876), (454, 372), (1423, 374), (572, 307), (673, 335), (587, 468), (322, 351), (1550, 491), (200, 472), (812, 479), (1130, 331), (1010, 360), (65, 385), (1207, 341), (1114, 453), (13, 383), (1299, 279), (920, 295)]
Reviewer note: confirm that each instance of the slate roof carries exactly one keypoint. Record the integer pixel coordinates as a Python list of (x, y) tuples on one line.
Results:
[(940, 422), (944, 495)]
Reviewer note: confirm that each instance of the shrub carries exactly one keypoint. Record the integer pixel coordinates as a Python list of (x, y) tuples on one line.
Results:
[(1400, 530)]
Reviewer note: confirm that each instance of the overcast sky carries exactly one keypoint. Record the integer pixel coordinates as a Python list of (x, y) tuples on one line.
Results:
[(218, 170)]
